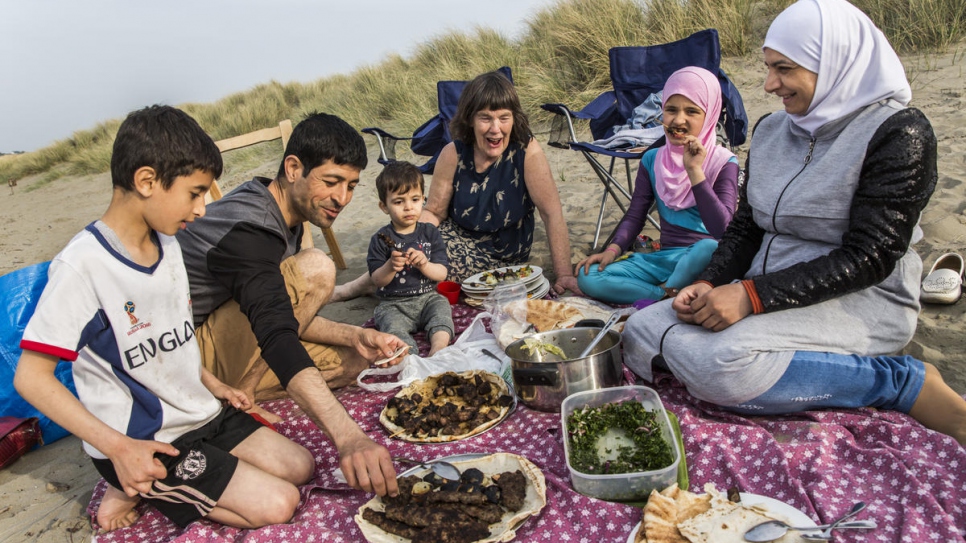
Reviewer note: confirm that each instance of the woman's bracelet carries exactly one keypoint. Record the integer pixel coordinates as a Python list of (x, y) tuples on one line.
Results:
[(611, 249)]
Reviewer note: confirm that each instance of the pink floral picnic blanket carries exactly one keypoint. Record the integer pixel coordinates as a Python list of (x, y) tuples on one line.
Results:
[(820, 462)]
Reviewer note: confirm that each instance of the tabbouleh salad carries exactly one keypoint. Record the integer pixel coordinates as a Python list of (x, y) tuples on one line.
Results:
[(586, 427)]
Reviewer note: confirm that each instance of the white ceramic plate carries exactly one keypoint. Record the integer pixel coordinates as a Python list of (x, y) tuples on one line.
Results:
[(541, 291), (533, 290), (477, 295), (792, 515), (475, 282), (780, 509), (530, 285)]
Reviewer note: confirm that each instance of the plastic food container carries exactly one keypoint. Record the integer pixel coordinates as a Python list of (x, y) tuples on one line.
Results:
[(623, 487)]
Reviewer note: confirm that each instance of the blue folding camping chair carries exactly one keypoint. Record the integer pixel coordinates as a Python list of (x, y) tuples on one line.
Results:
[(636, 73), (430, 138)]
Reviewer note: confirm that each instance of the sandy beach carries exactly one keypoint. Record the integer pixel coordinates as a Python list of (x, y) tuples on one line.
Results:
[(46, 492)]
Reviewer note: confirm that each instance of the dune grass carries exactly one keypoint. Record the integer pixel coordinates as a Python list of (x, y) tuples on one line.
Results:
[(916, 25), (562, 57)]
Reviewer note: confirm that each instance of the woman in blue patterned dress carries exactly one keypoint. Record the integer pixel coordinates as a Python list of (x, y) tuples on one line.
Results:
[(488, 182)]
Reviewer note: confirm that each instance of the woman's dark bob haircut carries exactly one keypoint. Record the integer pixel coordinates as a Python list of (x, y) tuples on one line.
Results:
[(489, 91)]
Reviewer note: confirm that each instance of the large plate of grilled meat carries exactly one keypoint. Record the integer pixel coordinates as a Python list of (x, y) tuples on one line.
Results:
[(448, 407), (496, 493)]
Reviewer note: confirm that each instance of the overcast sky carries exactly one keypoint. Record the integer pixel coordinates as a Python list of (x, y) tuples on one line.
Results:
[(65, 65)]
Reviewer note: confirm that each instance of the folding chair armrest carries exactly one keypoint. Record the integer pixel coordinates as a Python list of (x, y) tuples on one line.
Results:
[(557, 109), (599, 107), (386, 141), (380, 133)]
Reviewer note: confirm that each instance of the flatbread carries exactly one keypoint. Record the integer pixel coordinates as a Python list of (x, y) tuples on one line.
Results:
[(587, 309), (659, 524), (678, 516), (725, 524), (639, 534), (665, 509), (517, 325), (544, 315), (688, 504), (425, 387), (505, 530)]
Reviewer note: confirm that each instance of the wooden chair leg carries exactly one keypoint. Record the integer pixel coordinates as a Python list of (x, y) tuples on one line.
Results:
[(334, 248), (307, 241)]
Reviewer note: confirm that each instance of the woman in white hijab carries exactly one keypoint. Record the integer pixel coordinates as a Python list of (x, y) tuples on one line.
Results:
[(814, 282)]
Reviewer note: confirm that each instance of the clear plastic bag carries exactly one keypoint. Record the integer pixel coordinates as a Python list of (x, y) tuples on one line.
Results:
[(466, 353), (508, 305)]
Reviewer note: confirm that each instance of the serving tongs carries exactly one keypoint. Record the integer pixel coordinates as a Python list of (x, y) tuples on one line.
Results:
[(440, 467), (614, 317)]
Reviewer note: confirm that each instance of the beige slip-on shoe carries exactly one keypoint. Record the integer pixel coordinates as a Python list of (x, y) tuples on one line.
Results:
[(944, 283)]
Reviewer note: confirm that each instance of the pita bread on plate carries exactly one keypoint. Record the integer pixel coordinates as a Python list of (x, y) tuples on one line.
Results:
[(665, 509), (545, 315), (679, 516), (727, 521)]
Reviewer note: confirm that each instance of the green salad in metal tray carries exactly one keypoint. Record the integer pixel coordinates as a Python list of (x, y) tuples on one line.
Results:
[(619, 437)]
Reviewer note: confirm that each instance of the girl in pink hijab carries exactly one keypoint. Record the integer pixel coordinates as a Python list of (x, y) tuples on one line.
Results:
[(694, 183)]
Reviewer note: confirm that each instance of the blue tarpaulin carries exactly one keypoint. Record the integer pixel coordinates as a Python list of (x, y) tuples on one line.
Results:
[(19, 293)]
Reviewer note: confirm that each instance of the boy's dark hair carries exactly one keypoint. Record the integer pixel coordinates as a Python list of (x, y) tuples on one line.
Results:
[(398, 176), (491, 91), (166, 139), (322, 137)]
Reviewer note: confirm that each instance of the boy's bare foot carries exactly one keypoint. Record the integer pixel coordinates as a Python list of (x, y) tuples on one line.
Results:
[(438, 341), (269, 417), (116, 510)]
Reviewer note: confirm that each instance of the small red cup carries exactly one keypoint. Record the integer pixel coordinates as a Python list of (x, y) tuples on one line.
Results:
[(450, 290)]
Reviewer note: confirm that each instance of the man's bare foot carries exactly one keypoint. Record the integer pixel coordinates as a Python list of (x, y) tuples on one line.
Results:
[(360, 286), (269, 417), (116, 510)]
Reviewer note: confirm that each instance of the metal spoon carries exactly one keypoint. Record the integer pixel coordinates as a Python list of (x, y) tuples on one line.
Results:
[(607, 326), (773, 529), (440, 467)]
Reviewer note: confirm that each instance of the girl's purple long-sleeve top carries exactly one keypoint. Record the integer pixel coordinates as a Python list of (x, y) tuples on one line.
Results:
[(716, 204)]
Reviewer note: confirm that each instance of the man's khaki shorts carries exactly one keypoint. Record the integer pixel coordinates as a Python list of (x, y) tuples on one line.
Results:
[(229, 348)]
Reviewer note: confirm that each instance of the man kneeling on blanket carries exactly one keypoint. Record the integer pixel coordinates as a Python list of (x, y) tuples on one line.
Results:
[(117, 305)]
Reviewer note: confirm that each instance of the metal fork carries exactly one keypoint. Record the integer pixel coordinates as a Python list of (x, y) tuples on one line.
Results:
[(826, 535)]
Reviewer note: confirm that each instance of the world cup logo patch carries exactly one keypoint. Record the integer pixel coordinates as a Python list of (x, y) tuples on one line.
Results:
[(129, 309), (192, 466)]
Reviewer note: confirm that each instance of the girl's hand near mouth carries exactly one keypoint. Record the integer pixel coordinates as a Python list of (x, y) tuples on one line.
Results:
[(694, 155)]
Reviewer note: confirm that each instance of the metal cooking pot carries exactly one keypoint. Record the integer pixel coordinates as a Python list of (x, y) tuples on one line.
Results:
[(543, 380)]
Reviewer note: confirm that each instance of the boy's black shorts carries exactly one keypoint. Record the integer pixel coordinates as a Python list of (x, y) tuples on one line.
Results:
[(200, 473)]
